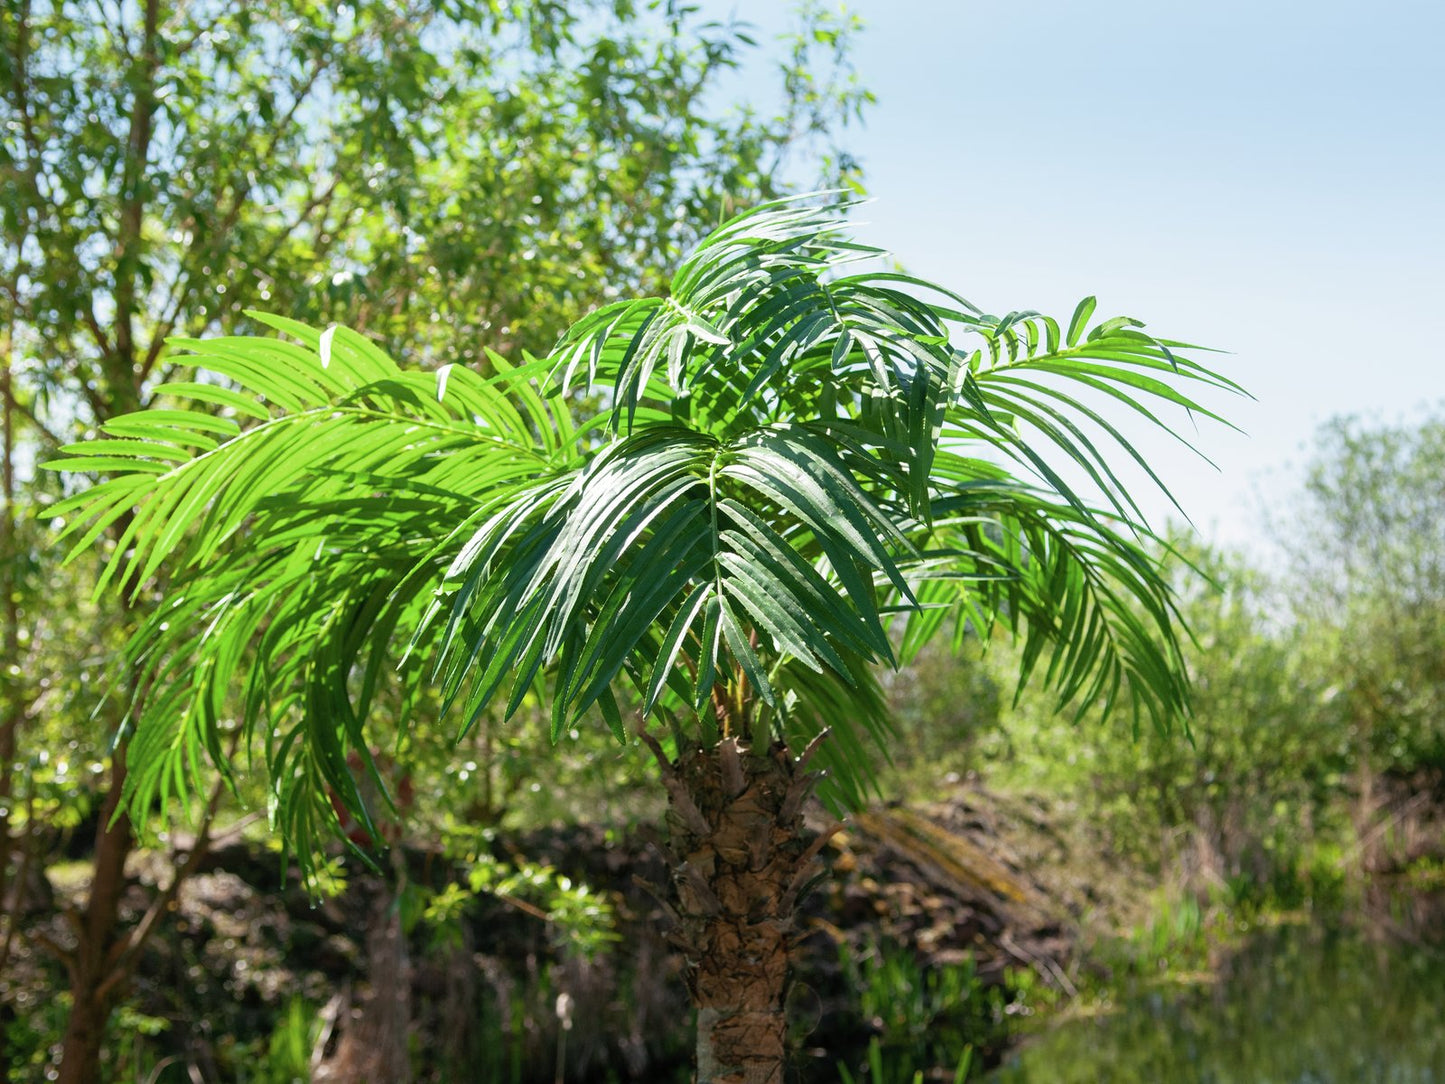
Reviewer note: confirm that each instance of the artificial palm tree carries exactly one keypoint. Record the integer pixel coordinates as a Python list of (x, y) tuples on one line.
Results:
[(719, 510)]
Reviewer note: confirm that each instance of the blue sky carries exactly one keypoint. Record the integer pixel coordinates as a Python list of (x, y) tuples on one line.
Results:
[(1267, 178)]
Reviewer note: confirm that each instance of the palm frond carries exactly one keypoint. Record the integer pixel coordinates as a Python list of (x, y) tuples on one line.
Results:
[(300, 548), (1023, 383), (759, 329), (1085, 594), (762, 547)]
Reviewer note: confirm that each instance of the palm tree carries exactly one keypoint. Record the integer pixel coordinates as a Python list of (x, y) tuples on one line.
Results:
[(717, 510)]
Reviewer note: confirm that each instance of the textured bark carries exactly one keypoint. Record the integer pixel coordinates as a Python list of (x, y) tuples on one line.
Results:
[(740, 860)]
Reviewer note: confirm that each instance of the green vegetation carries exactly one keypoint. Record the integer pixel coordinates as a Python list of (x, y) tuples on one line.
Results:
[(1293, 1005), (1248, 801), (781, 438), (165, 166), (932, 1015), (704, 522), (905, 1074)]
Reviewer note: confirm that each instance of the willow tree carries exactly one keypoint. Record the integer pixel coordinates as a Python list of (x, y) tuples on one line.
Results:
[(795, 466)]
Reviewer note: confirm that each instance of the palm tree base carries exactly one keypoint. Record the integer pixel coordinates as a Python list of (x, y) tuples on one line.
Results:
[(741, 860)]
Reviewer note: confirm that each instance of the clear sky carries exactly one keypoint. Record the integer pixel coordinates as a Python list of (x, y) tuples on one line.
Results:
[(1264, 177)]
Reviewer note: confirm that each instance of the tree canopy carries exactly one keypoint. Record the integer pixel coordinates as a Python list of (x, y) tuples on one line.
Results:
[(786, 452), (441, 175)]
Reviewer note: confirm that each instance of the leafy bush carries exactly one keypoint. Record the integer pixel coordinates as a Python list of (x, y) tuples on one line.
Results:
[(1240, 802)]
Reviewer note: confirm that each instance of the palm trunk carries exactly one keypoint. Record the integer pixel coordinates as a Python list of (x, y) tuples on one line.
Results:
[(740, 862)]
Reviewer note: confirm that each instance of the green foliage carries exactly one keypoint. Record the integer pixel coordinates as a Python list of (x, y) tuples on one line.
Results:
[(883, 1071), (945, 705), (778, 438), (923, 1016), (26, 1038), (1368, 553), (1246, 800), (288, 1053), (443, 175), (1176, 936), (1260, 809), (579, 919), (65, 649)]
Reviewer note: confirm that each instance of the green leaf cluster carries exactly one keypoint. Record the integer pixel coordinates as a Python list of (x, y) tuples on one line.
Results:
[(1255, 800), (440, 175), (1366, 543), (795, 462)]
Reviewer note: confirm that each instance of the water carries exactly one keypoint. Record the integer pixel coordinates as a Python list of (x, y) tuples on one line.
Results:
[(1294, 1005)]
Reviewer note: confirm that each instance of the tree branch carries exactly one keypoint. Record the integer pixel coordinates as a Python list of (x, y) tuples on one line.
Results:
[(122, 374), (50, 945), (107, 348), (228, 222), (127, 950), (319, 200), (46, 433)]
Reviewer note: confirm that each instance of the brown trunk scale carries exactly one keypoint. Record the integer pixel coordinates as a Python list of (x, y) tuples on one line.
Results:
[(741, 859)]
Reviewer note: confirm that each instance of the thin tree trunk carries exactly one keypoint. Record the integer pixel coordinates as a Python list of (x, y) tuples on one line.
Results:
[(106, 954), (12, 707), (98, 968), (375, 1047), (741, 859), (12, 704), (122, 371), (95, 974)]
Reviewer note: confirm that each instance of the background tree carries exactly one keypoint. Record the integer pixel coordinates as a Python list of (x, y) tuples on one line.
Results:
[(441, 174), (1367, 575), (787, 454), (1246, 808)]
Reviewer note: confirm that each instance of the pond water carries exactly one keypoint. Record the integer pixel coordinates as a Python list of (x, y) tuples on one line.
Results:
[(1295, 1005)]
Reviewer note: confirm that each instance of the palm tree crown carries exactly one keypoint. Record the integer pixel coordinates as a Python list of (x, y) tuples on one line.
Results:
[(719, 507)]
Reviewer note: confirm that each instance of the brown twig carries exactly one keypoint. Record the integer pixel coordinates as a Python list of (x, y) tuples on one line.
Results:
[(60, 952), (802, 877), (812, 747), (732, 769), (681, 801)]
